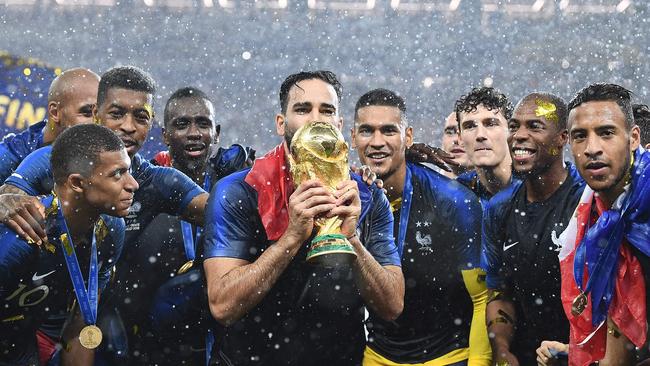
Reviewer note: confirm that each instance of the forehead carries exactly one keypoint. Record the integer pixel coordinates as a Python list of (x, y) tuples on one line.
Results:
[(314, 91), (595, 113), (190, 107), (481, 113), (376, 115), (80, 90), (113, 159), (450, 121), (127, 98)]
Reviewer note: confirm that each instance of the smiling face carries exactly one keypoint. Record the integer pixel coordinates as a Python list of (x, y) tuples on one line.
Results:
[(535, 142), (311, 100), (602, 144), (381, 138), (189, 132), (129, 114), (483, 133)]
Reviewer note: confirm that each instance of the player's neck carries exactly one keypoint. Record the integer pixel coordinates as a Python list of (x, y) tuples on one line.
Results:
[(79, 216), (196, 170), (496, 178), (394, 183), (540, 187), (609, 196)]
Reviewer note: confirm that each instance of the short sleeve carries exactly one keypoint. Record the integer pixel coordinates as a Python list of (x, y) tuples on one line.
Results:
[(233, 227), (34, 174), (381, 242)]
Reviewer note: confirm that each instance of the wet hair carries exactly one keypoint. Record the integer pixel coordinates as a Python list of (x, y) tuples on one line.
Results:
[(642, 119), (606, 92), (77, 150), (125, 77), (561, 109), (186, 92), (488, 97), (381, 97), (292, 80)]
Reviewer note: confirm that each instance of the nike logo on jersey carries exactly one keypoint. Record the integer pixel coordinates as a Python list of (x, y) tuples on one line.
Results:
[(506, 247), (37, 277)]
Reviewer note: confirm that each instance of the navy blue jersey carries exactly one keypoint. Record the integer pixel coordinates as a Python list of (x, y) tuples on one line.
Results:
[(520, 256), (312, 315), (442, 238), (35, 286), (161, 189), (170, 307), (15, 147), (471, 180)]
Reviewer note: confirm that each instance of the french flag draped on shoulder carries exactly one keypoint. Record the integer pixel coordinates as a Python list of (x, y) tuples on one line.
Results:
[(596, 260)]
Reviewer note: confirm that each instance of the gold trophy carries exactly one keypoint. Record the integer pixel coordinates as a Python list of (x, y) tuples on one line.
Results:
[(318, 151)]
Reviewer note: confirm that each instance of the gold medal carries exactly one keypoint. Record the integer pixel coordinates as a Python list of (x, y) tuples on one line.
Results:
[(185, 267), (90, 336), (579, 304)]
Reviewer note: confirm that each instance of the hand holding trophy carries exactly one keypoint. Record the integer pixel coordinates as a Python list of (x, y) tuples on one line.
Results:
[(318, 151)]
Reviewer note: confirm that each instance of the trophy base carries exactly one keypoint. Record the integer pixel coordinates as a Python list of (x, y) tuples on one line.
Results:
[(331, 250)]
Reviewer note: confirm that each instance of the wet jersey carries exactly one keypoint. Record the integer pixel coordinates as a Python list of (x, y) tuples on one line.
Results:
[(161, 189), (521, 245), (312, 315), (15, 147), (35, 285), (471, 180), (170, 305), (441, 240)]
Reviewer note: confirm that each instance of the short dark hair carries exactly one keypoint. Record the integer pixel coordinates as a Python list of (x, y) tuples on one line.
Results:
[(561, 110), (488, 97), (642, 119), (125, 77), (77, 150), (606, 92), (292, 80), (381, 97), (186, 92)]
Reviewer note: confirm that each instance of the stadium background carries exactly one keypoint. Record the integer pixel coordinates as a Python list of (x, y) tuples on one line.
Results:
[(239, 51)]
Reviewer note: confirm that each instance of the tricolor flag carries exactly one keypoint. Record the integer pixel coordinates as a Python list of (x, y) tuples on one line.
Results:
[(587, 342)]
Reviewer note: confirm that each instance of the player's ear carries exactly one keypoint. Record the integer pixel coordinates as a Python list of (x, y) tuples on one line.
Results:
[(76, 182), (409, 136), (53, 112), (217, 134), (353, 135), (280, 124), (635, 138)]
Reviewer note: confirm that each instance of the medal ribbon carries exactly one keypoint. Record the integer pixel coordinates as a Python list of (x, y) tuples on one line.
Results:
[(87, 299), (189, 239), (405, 210), (599, 248)]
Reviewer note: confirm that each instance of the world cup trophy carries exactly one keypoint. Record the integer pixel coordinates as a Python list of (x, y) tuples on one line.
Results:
[(318, 151)]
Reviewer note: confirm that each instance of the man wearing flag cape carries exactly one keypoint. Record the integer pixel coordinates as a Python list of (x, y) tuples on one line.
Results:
[(605, 248), (278, 309)]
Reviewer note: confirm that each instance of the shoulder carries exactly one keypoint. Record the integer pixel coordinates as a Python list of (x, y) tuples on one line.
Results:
[(233, 189), (500, 202), (441, 187)]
